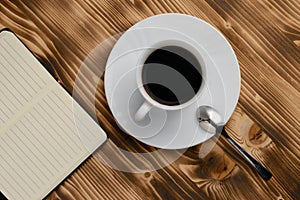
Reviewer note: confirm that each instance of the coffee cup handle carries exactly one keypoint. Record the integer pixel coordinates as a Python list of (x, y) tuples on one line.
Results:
[(142, 111)]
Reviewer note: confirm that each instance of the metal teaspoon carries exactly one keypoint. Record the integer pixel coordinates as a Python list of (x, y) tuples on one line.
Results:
[(210, 120)]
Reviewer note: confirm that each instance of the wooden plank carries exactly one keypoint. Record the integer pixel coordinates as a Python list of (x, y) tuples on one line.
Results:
[(265, 36), (224, 174)]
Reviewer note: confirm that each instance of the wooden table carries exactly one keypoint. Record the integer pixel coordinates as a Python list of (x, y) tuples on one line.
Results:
[(265, 36)]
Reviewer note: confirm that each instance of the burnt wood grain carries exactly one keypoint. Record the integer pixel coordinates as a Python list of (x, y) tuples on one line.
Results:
[(266, 38)]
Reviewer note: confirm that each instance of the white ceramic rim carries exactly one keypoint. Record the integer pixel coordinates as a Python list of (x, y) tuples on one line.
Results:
[(183, 44)]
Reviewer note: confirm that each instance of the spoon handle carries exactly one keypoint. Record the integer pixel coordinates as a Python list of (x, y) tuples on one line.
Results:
[(263, 172)]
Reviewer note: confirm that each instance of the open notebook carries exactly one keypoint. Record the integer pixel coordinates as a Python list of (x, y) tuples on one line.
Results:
[(40, 142)]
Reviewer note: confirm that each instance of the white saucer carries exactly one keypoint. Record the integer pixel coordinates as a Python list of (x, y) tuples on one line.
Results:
[(171, 129)]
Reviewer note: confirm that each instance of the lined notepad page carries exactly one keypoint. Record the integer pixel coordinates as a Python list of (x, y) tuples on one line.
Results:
[(40, 143)]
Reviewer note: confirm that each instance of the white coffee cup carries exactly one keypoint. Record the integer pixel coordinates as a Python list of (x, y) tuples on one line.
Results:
[(150, 102)]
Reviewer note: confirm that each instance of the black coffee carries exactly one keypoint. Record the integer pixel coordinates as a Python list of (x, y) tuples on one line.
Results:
[(171, 75)]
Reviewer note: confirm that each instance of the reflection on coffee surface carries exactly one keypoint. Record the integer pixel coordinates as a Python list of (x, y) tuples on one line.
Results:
[(171, 75)]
